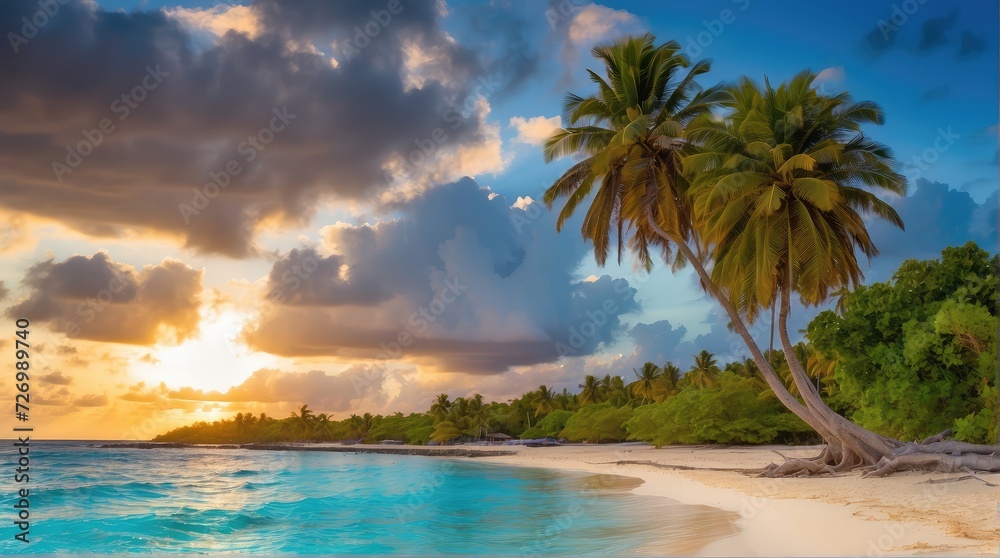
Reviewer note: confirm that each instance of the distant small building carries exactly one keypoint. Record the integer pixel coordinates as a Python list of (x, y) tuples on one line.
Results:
[(496, 437), (391, 442)]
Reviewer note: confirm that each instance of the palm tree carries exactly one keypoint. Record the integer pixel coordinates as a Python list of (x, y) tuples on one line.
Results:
[(672, 372), (784, 184), (591, 390), (616, 392), (646, 382), (544, 401), (440, 407), (322, 426), (705, 371), (478, 419), (843, 295), (632, 138), (303, 420)]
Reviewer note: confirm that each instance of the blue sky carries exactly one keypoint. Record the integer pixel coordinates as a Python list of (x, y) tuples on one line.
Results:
[(328, 191)]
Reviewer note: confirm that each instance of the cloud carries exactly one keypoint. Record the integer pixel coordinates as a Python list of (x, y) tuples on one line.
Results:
[(935, 94), (460, 282), (93, 297), (209, 101), (934, 31), (4, 291), (935, 217), (535, 130), (56, 378), (971, 45), (596, 23), (832, 75), (92, 400), (333, 392), (219, 19)]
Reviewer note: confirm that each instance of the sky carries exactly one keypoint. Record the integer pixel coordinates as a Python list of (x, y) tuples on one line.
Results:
[(211, 208)]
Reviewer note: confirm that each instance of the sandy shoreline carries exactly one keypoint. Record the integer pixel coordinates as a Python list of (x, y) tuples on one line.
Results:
[(846, 515)]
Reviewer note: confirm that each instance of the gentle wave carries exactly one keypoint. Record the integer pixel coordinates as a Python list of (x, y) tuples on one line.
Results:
[(221, 501)]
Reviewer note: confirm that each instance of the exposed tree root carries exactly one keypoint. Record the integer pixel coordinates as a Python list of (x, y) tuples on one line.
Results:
[(959, 479), (939, 462), (939, 437), (934, 456)]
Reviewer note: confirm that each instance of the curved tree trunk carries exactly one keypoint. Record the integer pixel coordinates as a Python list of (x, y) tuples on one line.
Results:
[(849, 446)]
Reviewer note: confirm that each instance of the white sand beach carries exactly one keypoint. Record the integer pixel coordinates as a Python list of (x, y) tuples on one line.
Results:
[(845, 515)]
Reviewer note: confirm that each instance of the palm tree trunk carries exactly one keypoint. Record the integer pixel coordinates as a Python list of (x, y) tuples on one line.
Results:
[(772, 379), (866, 446)]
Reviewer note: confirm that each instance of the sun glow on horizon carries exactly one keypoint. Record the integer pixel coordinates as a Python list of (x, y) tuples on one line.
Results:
[(214, 360)]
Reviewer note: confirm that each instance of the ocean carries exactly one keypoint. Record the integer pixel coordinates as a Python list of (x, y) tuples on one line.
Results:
[(206, 500)]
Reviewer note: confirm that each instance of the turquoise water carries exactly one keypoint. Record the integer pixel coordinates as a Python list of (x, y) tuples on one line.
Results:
[(87, 499)]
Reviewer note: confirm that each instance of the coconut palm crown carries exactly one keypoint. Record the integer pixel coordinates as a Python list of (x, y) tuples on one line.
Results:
[(630, 137)]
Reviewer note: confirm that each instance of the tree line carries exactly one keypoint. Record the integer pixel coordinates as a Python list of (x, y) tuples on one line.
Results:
[(909, 358)]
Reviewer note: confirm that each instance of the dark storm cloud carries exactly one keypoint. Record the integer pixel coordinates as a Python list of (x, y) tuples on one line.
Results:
[(188, 111), (92, 297), (476, 286)]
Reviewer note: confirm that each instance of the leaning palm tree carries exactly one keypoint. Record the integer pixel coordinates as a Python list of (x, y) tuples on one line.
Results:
[(783, 185), (642, 136), (705, 371), (646, 382)]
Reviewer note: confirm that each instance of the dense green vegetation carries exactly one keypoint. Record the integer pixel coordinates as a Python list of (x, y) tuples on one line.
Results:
[(918, 354), (909, 358)]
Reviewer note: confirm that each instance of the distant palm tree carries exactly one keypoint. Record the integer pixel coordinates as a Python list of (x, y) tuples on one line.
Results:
[(544, 401), (303, 420), (705, 372), (591, 390), (617, 394), (440, 407), (672, 372), (322, 426), (646, 381), (478, 419), (843, 295)]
